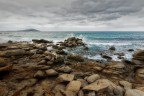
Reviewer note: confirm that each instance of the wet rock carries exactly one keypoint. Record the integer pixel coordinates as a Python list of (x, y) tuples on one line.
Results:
[(65, 78), (61, 52), (93, 78), (39, 74), (75, 58), (86, 48), (112, 48), (73, 86), (41, 41), (130, 50), (106, 57), (134, 92), (51, 72), (126, 84), (10, 41), (65, 69)]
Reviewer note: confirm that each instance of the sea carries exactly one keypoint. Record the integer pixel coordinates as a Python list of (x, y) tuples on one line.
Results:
[(97, 41)]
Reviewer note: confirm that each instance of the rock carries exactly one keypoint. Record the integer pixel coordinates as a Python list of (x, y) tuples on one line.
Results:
[(126, 85), (114, 68), (41, 41), (75, 58), (72, 42), (134, 92), (16, 52), (138, 53), (112, 48), (51, 72), (93, 78), (83, 82), (61, 52), (86, 48), (140, 88), (140, 73), (130, 50), (80, 93), (65, 69), (65, 78), (59, 87), (2, 62), (105, 85), (6, 68), (92, 93), (106, 57), (59, 59), (68, 93), (73, 86), (39, 74), (10, 41), (42, 62)]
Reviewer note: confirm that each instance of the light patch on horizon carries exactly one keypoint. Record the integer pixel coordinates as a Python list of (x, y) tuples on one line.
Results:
[(72, 15)]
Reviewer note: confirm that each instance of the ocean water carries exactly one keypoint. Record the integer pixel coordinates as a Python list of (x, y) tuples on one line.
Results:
[(96, 41)]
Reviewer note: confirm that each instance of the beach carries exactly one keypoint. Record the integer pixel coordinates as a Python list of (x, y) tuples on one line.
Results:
[(69, 67)]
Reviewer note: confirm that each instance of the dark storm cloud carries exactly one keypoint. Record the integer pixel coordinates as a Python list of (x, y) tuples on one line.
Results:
[(39, 13)]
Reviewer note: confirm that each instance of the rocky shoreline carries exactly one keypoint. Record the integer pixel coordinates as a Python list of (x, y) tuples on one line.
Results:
[(43, 68)]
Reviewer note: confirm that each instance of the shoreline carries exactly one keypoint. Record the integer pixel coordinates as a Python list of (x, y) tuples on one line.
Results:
[(31, 69)]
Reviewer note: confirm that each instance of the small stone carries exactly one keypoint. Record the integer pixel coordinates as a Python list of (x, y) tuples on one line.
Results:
[(65, 69), (65, 77), (51, 72), (93, 78), (39, 74)]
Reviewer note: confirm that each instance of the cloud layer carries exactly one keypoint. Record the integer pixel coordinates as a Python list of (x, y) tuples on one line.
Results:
[(72, 15)]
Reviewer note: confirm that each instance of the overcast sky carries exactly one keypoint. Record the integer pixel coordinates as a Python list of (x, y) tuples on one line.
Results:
[(71, 15)]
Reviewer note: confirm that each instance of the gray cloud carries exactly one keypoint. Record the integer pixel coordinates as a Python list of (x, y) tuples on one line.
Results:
[(47, 14)]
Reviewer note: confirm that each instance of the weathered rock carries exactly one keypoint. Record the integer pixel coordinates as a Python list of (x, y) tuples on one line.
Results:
[(126, 84), (134, 92), (51, 72), (138, 53), (73, 86), (93, 78), (65, 69), (75, 58), (39, 74), (65, 78)]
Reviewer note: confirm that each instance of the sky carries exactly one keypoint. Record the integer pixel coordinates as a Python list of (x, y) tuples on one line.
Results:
[(72, 15)]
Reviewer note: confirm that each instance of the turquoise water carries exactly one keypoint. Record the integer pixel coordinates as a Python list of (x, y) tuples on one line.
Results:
[(96, 41)]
